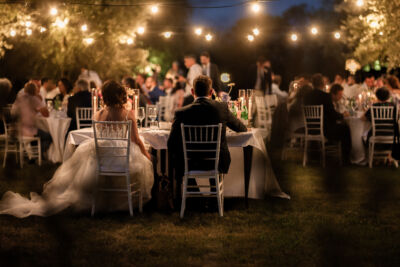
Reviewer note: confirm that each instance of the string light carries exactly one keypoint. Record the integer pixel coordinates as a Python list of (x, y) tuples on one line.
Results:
[(13, 33), (256, 31), (167, 35), (209, 37), (250, 38), (28, 23), (198, 31), (53, 11), (28, 32), (380, 33), (61, 23), (43, 29), (140, 30), (294, 37), (225, 77), (314, 30), (129, 41), (154, 9), (255, 7), (337, 35), (88, 41), (84, 28), (360, 3)]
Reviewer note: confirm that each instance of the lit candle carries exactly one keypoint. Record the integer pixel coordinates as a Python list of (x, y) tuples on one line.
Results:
[(249, 109)]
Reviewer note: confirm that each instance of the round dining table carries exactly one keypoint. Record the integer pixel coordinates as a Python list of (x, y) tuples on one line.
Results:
[(359, 128), (57, 125)]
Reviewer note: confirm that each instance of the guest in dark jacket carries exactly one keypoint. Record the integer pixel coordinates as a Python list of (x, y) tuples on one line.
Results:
[(154, 91), (203, 111), (334, 127), (211, 70), (81, 99)]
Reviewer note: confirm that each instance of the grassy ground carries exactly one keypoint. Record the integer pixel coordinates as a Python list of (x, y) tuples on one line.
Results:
[(337, 217)]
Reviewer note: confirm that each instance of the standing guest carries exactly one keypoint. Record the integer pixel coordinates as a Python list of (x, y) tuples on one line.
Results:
[(352, 89), (82, 98), (65, 87), (263, 76), (129, 82), (211, 70), (203, 111), (90, 75), (194, 71), (276, 83), (26, 108), (334, 127), (174, 72), (154, 91), (336, 93)]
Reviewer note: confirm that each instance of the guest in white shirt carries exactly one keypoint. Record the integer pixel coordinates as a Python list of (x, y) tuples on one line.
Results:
[(276, 82), (352, 89), (194, 71), (369, 83), (90, 76)]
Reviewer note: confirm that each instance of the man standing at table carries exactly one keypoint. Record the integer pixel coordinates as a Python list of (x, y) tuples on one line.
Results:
[(211, 70), (194, 70), (203, 111)]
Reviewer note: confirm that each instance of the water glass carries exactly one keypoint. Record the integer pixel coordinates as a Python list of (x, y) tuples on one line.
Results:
[(141, 115)]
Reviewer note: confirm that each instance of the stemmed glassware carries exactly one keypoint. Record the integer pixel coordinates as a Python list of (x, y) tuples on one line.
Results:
[(152, 115), (141, 115)]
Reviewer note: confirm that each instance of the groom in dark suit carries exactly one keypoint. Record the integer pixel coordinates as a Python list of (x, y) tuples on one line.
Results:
[(203, 111)]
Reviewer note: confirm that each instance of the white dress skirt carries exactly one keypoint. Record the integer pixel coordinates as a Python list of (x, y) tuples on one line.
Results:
[(73, 183)]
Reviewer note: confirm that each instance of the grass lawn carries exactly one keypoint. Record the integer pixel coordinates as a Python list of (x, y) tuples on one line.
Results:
[(337, 217)]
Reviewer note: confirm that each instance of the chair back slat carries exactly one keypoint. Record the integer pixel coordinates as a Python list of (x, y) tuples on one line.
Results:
[(201, 146), (313, 120), (112, 141), (264, 113), (84, 117), (383, 118)]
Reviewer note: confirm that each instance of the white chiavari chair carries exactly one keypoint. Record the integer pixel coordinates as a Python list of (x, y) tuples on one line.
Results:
[(112, 141), (84, 117), (264, 116), (382, 118), (10, 137), (202, 144), (314, 131)]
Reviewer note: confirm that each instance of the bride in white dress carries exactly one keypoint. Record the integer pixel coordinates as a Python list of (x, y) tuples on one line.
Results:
[(73, 182)]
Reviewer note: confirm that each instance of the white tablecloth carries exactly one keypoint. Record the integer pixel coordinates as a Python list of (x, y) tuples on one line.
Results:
[(358, 129), (262, 180), (58, 128)]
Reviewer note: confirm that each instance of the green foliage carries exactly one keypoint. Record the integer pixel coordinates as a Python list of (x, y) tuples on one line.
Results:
[(62, 51), (372, 30)]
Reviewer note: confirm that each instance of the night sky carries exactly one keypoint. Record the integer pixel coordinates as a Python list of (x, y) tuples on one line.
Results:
[(224, 18)]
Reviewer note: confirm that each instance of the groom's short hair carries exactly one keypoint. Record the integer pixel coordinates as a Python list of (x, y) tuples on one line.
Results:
[(202, 85)]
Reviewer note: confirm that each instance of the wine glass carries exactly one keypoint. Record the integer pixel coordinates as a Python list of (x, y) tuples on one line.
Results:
[(50, 106), (141, 115), (242, 98), (152, 114), (250, 93)]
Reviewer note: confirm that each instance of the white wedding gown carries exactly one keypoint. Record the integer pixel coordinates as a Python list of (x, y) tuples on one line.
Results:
[(72, 186)]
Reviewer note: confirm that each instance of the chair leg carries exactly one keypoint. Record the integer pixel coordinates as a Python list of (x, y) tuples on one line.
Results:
[(128, 184), (95, 194), (21, 154), (323, 154), (39, 152), (5, 153), (140, 201), (305, 152), (184, 191), (220, 211), (371, 154)]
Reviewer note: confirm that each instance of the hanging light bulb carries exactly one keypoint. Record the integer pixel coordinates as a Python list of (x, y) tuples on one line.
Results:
[(140, 30), (84, 28), (167, 35), (314, 30), (198, 31), (337, 35), (129, 41), (255, 7), (88, 41), (28, 32), (256, 31), (28, 23), (209, 37), (13, 33), (43, 29), (250, 38), (294, 37), (154, 9), (360, 3), (53, 11)]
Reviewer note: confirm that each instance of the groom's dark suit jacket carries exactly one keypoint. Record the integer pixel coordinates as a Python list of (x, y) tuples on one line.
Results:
[(202, 111)]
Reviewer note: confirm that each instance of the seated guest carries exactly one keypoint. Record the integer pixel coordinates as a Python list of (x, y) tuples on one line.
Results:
[(175, 96), (129, 82), (393, 85), (203, 111), (81, 99), (154, 91), (26, 108), (36, 81), (52, 90), (383, 100), (336, 93), (5, 90), (334, 127), (352, 89), (65, 87)]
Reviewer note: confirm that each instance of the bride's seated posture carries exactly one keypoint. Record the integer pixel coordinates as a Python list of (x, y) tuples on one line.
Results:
[(73, 183)]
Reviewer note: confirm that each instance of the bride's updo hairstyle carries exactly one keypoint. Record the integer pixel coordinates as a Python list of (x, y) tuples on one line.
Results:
[(114, 94)]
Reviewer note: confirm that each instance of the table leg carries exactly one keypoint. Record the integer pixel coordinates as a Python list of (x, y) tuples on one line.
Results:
[(248, 158)]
